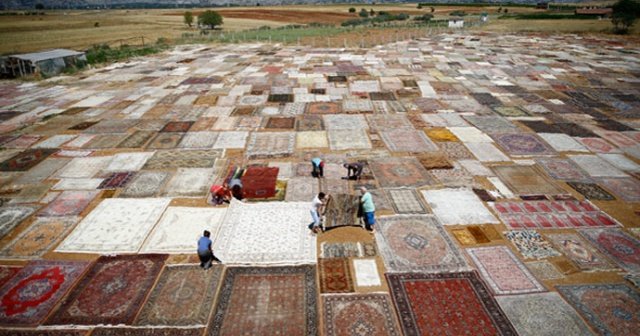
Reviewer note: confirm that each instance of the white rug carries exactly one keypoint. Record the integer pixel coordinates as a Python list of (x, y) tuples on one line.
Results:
[(180, 228), (78, 184), (85, 167), (476, 168), (129, 161), (345, 122), (470, 134), (190, 182), (366, 272), (54, 141), (266, 233), (562, 142), (202, 140), (349, 139), (458, 206), (231, 140), (501, 187), (596, 166), (621, 162), (117, 225), (486, 152)]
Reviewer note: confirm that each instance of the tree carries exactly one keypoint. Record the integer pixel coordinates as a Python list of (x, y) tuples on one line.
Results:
[(419, 6), (433, 9), (372, 13), (210, 18), (352, 10), (363, 13), (625, 13), (39, 6), (188, 18)]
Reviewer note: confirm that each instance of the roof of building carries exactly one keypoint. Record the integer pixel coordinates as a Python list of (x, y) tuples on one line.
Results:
[(49, 54), (595, 11)]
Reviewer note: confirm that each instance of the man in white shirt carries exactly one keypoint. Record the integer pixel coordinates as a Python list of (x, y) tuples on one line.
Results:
[(317, 209)]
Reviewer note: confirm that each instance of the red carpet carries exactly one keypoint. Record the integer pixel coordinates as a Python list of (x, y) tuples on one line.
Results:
[(260, 182)]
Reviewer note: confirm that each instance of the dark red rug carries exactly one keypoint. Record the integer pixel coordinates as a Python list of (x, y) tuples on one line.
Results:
[(177, 126), (26, 160), (260, 182), (112, 292), (446, 304)]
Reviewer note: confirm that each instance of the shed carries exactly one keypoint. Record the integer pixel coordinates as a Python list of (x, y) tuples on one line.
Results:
[(456, 22), (46, 63)]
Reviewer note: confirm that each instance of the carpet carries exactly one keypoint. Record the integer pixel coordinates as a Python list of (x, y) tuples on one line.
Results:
[(531, 244), (502, 271), (562, 169), (446, 304), (596, 166), (280, 123), (552, 215), (111, 292), (417, 243), (116, 225), (25, 160), (200, 140), (125, 162), (611, 309), (249, 295), (177, 126), (302, 189), (312, 139), (105, 141), (399, 140), (472, 235), (382, 122), (183, 296), (631, 277), (348, 139), (620, 247), (522, 144), (285, 238), (309, 123), (456, 177), (527, 180), (400, 172), (486, 152), (259, 182), (165, 141), (598, 145), (458, 207), (335, 275), (345, 122), (168, 159), (271, 144), (12, 215), (562, 142), (41, 172), (585, 256), (435, 160), (6, 273), (179, 228), (340, 250), (38, 238), (456, 150), (627, 189), (470, 134), (190, 182), (360, 314), (29, 296), (491, 123), (542, 314), (116, 180), (145, 184), (544, 270), (84, 167), (341, 210), (123, 331), (324, 108), (406, 201), (137, 140), (235, 140), (366, 271), (440, 134)]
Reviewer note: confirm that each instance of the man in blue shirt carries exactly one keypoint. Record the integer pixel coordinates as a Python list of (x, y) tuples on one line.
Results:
[(368, 208), (205, 253), (318, 167)]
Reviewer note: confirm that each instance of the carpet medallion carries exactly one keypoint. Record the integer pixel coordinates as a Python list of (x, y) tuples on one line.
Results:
[(406, 201), (446, 304), (169, 159), (28, 297), (585, 256), (591, 191), (531, 244), (25, 160), (522, 144), (38, 238), (165, 141), (137, 139), (323, 108), (111, 292), (145, 184), (12, 216), (341, 210), (271, 144), (183, 296), (302, 189), (402, 140), (335, 275), (309, 123), (617, 245), (267, 301), (417, 243), (359, 314), (611, 309), (526, 180), (400, 172)]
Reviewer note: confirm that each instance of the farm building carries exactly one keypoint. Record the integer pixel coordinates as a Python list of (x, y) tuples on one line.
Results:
[(45, 63), (598, 12), (456, 22)]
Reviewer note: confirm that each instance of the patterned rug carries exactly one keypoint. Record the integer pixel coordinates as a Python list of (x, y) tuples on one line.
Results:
[(84, 167), (402, 140), (340, 139), (165, 141), (563, 169), (183, 296), (627, 189), (169, 159), (335, 275), (125, 162), (26, 159), (446, 304), (259, 182), (542, 314), (309, 123), (324, 108), (544, 270), (364, 314), (116, 180), (237, 139), (38, 238), (122, 331), (271, 144), (531, 245), (6, 273), (526, 180), (111, 292), (341, 210), (522, 144), (248, 294), (417, 243), (458, 207), (622, 248), (190, 182), (11, 216), (406, 201), (137, 139), (609, 309), (503, 272), (456, 150), (312, 139), (486, 152), (201, 140), (591, 191), (400, 172), (28, 297), (345, 122), (302, 189), (116, 225), (340, 250), (177, 126), (381, 122), (435, 160), (585, 256), (145, 184), (552, 215)]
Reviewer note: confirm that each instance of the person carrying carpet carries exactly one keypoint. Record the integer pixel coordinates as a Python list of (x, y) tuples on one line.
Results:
[(205, 252), (318, 206)]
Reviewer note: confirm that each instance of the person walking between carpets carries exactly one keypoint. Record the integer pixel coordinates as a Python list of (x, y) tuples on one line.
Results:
[(317, 210), (354, 170), (205, 253), (318, 167), (368, 208)]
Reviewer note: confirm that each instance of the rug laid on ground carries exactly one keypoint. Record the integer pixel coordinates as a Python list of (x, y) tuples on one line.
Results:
[(271, 144), (116, 180), (6, 273), (11, 216), (259, 182), (417, 243), (284, 236), (591, 191), (26, 159), (84, 167), (563, 169), (403, 140), (455, 206), (183, 296), (425, 304), (400, 172), (302, 189), (347, 249), (124, 331), (116, 225), (312, 139), (522, 144), (341, 210), (38, 238), (69, 203), (531, 244), (526, 180), (622, 248), (552, 215), (585, 256), (340, 139), (405, 201), (544, 270), (111, 292), (181, 158), (49, 332), (370, 314), (145, 184), (180, 227), (30, 295), (503, 272), (189, 182), (611, 309), (366, 273), (542, 314), (627, 189), (248, 295), (335, 275)]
